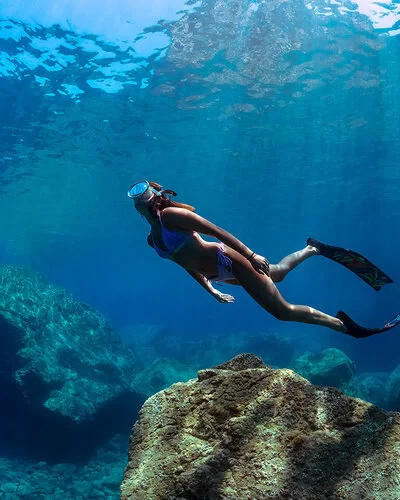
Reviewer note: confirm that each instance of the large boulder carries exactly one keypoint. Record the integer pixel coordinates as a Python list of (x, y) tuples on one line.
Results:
[(61, 367), (329, 367), (372, 387), (243, 430)]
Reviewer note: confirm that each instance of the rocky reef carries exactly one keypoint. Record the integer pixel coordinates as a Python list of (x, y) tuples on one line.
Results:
[(243, 430), (67, 379), (329, 367), (170, 357)]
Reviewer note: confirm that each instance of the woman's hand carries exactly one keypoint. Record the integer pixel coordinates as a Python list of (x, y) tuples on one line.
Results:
[(223, 297), (260, 264)]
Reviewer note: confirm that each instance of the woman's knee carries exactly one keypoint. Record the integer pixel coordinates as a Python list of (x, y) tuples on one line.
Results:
[(277, 273)]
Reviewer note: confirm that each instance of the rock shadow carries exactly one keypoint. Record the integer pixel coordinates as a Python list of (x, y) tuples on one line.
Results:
[(318, 462)]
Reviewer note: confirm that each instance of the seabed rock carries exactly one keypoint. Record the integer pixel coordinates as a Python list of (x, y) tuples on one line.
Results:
[(243, 430), (372, 387), (329, 367), (67, 379)]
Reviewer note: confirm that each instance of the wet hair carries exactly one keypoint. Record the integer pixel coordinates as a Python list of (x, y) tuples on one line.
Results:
[(162, 201)]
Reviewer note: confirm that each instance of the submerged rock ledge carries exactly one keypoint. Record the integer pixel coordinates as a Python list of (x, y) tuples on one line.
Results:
[(243, 430), (67, 380)]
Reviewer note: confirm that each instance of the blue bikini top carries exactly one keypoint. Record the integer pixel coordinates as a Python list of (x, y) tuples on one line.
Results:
[(171, 239)]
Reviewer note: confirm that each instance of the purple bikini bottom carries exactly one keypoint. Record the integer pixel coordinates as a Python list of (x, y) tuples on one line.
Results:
[(224, 265)]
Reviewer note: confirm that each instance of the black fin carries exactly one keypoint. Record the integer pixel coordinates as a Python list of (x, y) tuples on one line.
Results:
[(359, 332), (355, 262)]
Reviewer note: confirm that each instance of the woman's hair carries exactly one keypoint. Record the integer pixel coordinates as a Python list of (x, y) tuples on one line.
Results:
[(162, 201)]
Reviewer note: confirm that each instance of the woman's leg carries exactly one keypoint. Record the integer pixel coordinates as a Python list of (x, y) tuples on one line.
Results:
[(280, 270), (263, 290)]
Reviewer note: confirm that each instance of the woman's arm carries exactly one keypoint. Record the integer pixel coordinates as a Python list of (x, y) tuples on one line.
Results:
[(180, 218), (206, 284)]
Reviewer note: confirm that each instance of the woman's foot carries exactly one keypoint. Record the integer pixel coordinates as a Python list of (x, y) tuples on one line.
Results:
[(341, 327), (313, 250), (316, 244)]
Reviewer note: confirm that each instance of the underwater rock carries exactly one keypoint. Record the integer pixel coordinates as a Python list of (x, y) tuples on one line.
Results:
[(61, 367), (372, 388), (98, 478), (393, 390), (161, 374), (261, 433), (368, 386), (329, 367), (242, 362)]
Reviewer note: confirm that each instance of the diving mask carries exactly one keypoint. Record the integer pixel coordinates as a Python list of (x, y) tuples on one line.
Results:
[(142, 190)]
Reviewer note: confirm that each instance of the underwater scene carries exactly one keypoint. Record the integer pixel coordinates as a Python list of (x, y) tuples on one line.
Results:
[(249, 348)]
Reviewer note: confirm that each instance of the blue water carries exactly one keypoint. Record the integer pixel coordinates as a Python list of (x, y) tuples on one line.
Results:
[(277, 121)]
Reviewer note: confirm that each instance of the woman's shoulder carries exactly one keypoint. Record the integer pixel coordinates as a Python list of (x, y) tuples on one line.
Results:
[(169, 213), (173, 210), (172, 217)]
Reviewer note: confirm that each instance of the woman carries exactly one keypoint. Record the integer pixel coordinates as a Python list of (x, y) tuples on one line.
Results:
[(175, 235)]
